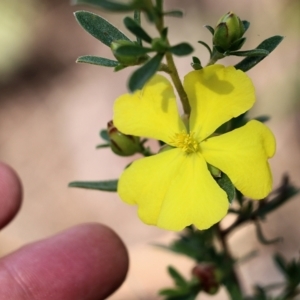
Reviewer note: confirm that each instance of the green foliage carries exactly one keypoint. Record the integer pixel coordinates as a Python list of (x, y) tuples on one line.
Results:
[(196, 64), (99, 28), (132, 50), (249, 53), (106, 185), (181, 49), (137, 30), (174, 13), (108, 5), (104, 135), (246, 25), (96, 60), (207, 47), (143, 74), (228, 39), (225, 184), (269, 45)]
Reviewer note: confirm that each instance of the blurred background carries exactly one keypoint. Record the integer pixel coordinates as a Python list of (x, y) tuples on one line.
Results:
[(52, 111)]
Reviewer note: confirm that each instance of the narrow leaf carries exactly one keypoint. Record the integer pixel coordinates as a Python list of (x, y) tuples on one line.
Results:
[(181, 49), (104, 135), (210, 29), (196, 60), (99, 28), (137, 19), (206, 46), (249, 53), (164, 33), (280, 263), (102, 146), (174, 13), (108, 185), (269, 44), (132, 50), (143, 74), (137, 30), (263, 118), (105, 4), (96, 60), (225, 183), (246, 25), (177, 277)]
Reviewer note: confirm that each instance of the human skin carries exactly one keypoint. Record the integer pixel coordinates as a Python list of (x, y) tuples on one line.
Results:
[(86, 262)]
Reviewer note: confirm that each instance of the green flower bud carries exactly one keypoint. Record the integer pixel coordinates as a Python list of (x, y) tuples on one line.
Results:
[(229, 29), (209, 277), (126, 60), (122, 144), (159, 45)]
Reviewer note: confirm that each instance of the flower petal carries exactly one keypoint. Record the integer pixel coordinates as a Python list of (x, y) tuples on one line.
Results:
[(216, 95), (173, 190), (243, 155), (151, 112)]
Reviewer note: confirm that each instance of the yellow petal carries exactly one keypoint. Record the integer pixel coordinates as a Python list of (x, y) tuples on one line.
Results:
[(216, 95), (151, 112), (173, 190), (243, 155)]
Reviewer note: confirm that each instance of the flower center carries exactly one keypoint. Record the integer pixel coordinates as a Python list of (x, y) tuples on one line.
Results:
[(186, 141)]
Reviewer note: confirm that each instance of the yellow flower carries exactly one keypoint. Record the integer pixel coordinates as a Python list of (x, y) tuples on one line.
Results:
[(174, 188)]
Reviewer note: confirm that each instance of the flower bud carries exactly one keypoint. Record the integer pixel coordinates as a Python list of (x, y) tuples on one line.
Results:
[(159, 45), (209, 277), (122, 144), (127, 60), (229, 29)]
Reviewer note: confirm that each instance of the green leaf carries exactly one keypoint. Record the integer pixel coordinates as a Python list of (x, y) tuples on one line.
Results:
[(280, 263), (102, 146), (174, 13), (181, 49), (104, 135), (120, 67), (132, 50), (269, 44), (137, 19), (164, 33), (246, 25), (206, 46), (108, 185), (210, 29), (143, 74), (225, 183), (196, 60), (177, 277), (99, 28), (96, 60), (105, 4), (137, 30), (248, 53), (263, 118)]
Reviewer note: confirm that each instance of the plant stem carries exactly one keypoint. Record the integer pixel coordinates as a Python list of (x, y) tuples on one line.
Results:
[(177, 83), (171, 66), (215, 57), (234, 276)]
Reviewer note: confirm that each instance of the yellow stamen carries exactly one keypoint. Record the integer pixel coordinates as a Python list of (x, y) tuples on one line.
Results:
[(186, 141)]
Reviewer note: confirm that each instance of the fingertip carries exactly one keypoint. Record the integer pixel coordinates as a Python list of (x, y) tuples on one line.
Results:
[(88, 261), (10, 194)]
